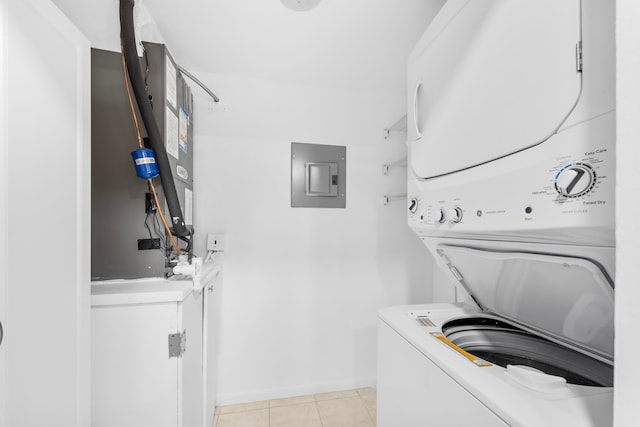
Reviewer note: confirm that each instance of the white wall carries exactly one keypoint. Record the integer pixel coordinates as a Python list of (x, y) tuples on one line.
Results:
[(301, 286), (627, 372)]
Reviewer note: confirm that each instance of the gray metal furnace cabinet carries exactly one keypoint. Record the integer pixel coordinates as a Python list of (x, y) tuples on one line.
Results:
[(118, 196)]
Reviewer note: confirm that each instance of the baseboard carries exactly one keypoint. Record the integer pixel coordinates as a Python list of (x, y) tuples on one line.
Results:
[(302, 390)]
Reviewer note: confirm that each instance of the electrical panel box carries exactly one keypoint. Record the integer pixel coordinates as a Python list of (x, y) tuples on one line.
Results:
[(128, 239), (318, 175)]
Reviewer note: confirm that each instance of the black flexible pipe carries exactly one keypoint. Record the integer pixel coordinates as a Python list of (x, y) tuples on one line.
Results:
[(146, 111)]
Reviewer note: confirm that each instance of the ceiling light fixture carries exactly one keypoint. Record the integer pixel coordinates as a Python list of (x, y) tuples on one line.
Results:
[(300, 5)]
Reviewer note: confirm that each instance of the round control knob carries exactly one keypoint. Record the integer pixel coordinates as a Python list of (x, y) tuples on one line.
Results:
[(442, 217), (575, 180), (413, 205), (456, 215)]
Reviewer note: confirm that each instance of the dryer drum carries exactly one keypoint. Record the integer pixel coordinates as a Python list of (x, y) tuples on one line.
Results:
[(503, 344)]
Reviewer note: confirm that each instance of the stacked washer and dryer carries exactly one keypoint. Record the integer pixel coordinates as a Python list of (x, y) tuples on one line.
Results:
[(511, 135)]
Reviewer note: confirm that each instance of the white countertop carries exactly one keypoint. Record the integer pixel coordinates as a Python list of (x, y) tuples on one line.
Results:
[(139, 291)]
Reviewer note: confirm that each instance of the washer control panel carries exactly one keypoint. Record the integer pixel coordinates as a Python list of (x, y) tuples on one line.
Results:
[(560, 190)]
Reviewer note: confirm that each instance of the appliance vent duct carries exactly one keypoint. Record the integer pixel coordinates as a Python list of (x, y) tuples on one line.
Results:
[(425, 321)]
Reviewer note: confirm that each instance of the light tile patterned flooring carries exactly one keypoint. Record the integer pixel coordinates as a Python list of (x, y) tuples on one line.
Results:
[(350, 408)]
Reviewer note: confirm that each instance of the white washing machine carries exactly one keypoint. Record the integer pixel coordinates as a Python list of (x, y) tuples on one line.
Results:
[(511, 135), (533, 346)]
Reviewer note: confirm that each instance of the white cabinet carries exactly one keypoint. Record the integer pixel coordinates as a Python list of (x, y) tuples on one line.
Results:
[(135, 380)]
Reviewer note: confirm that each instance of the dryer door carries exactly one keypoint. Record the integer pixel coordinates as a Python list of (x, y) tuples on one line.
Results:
[(490, 78)]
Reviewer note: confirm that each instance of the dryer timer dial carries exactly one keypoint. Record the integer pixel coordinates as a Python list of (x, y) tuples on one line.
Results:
[(413, 205), (575, 180)]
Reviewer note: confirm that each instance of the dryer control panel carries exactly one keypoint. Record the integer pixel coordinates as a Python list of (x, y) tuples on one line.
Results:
[(560, 191)]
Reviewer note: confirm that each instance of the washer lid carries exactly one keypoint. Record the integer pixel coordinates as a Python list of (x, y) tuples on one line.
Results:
[(490, 78), (571, 299)]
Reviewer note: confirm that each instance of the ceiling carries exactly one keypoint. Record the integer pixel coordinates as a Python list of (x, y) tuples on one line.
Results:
[(339, 42)]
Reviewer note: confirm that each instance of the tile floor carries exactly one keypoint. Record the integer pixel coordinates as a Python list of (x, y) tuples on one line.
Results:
[(350, 408)]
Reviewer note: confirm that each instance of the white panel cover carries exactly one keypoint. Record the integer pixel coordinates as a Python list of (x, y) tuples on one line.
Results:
[(489, 78), (571, 298)]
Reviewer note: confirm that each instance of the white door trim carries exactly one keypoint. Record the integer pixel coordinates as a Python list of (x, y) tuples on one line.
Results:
[(44, 54), (3, 211)]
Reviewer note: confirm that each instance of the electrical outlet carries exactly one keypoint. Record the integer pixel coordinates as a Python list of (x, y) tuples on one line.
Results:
[(146, 244), (149, 203), (216, 242)]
